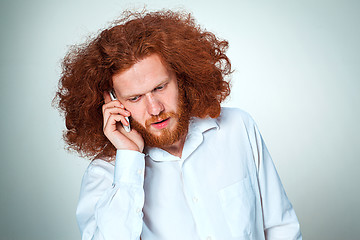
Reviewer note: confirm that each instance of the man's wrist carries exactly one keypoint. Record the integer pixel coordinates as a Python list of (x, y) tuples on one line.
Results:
[(129, 167)]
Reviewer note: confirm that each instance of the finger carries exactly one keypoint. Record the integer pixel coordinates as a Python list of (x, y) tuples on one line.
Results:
[(112, 104), (111, 123), (115, 110)]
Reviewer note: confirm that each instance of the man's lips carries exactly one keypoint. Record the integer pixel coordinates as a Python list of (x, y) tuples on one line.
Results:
[(161, 124)]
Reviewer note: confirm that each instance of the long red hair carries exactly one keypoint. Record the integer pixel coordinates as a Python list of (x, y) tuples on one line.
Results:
[(196, 56)]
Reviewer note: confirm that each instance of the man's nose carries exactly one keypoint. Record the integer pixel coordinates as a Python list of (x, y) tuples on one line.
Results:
[(154, 106)]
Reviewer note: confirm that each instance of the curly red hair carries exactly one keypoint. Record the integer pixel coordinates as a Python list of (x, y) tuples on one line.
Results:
[(196, 56)]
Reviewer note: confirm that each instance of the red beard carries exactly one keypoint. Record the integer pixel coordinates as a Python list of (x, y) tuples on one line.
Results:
[(167, 137)]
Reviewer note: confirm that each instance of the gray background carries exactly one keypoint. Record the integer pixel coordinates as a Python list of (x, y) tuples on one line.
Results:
[(297, 73)]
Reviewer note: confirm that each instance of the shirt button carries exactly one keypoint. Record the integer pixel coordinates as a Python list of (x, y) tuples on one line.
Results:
[(139, 171), (208, 238), (195, 199), (138, 210)]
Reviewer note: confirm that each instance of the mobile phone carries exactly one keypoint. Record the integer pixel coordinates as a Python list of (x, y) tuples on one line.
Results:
[(113, 97)]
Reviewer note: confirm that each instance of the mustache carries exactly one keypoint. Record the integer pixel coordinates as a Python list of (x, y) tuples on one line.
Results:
[(158, 118)]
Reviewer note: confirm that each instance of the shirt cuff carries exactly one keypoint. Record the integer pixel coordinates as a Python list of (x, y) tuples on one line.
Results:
[(129, 167)]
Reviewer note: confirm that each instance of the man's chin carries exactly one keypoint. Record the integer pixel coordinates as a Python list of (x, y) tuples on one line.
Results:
[(161, 137)]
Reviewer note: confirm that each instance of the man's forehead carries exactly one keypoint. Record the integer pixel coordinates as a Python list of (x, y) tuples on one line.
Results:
[(143, 76)]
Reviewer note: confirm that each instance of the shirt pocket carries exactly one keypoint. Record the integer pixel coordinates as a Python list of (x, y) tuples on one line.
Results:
[(238, 205)]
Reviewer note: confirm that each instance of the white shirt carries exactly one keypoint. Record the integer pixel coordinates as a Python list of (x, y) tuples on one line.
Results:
[(224, 187)]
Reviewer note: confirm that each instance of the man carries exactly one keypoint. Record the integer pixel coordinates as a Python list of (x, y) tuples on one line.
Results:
[(187, 169)]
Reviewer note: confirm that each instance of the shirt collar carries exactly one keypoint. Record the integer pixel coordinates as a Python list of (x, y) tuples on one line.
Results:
[(197, 126), (202, 124)]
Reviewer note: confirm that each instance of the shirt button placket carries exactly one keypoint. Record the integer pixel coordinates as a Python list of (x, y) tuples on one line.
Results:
[(195, 204)]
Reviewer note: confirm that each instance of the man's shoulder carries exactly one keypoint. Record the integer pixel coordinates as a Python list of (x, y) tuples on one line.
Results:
[(101, 167), (230, 111), (230, 116)]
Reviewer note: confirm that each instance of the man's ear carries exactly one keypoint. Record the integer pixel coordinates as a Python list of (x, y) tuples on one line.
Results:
[(107, 97)]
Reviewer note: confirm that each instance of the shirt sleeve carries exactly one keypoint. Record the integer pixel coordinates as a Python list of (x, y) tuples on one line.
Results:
[(111, 199), (280, 221)]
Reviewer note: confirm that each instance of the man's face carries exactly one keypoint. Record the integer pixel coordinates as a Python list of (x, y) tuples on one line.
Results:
[(150, 92)]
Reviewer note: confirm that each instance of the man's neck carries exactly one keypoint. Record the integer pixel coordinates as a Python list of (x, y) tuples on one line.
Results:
[(176, 148)]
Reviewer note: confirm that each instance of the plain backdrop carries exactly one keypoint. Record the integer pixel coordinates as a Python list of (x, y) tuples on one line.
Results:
[(297, 70)]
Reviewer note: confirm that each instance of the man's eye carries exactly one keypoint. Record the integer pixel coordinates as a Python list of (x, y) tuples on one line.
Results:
[(160, 87), (134, 99)]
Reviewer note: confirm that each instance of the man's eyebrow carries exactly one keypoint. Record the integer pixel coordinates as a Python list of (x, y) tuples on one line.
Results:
[(139, 94), (162, 83)]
